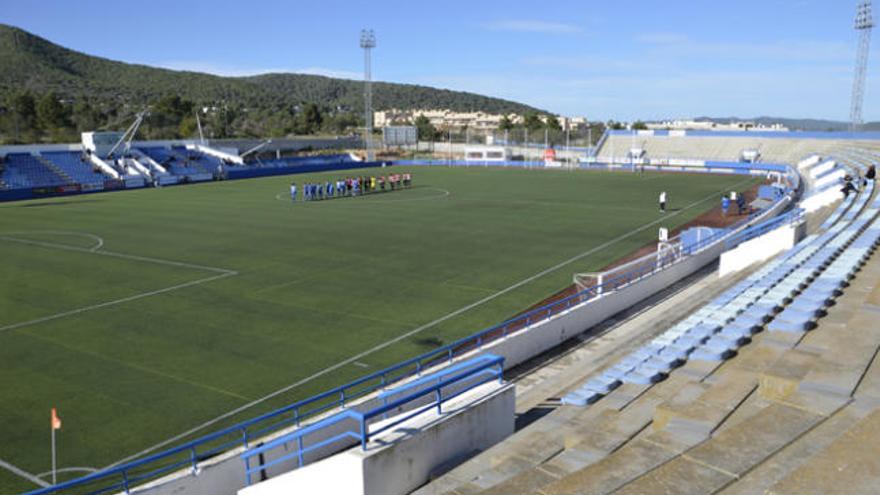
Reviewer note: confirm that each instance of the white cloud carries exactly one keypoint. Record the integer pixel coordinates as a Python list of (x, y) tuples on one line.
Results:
[(532, 26), (237, 71)]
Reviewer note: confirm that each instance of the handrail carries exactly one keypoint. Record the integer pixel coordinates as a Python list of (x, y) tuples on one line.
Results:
[(436, 376), (487, 368), (342, 395), (792, 217)]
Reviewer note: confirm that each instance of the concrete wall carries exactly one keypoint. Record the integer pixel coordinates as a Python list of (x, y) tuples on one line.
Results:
[(406, 457), (821, 199), (821, 168), (531, 341), (760, 248)]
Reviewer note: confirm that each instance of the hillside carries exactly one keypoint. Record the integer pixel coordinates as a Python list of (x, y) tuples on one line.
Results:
[(251, 104)]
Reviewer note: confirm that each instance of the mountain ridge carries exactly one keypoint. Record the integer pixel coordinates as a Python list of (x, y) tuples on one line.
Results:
[(264, 105)]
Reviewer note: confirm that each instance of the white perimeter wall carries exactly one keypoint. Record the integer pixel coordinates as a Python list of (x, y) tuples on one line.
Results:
[(821, 199), (410, 454), (760, 248)]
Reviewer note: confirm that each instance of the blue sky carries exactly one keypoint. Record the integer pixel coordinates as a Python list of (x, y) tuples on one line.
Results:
[(622, 59)]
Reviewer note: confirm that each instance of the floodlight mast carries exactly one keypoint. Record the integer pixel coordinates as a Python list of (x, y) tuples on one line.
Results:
[(368, 42), (864, 24), (128, 136)]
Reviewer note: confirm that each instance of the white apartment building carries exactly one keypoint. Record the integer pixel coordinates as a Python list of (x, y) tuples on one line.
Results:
[(693, 125), (475, 121)]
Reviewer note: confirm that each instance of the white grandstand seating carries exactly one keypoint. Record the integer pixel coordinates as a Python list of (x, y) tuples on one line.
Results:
[(773, 150)]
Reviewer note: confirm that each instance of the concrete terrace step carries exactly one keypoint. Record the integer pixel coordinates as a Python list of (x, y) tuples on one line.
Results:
[(623, 466), (525, 448), (849, 352), (729, 455), (588, 438), (701, 408), (780, 465), (848, 465), (588, 441), (783, 378)]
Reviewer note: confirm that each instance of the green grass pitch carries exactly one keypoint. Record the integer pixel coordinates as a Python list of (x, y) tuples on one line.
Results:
[(141, 314)]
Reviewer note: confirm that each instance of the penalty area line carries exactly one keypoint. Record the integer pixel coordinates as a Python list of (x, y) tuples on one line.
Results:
[(221, 273), (112, 254), (464, 309), (16, 326)]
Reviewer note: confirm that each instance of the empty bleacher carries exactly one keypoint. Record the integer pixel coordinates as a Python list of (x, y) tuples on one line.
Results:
[(24, 170), (72, 164), (179, 160), (772, 386), (773, 150), (172, 162)]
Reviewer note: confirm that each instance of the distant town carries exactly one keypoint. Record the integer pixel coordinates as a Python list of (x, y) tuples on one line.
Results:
[(482, 121)]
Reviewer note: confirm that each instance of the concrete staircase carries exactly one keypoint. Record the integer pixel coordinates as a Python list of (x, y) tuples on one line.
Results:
[(55, 169)]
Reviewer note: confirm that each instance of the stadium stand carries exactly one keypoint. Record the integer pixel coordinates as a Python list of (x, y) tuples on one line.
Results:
[(786, 148), (72, 164), (771, 385), (26, 170), (175, 160)]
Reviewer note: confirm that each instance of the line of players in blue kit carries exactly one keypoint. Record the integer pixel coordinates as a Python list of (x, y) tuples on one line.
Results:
[(351, 186)]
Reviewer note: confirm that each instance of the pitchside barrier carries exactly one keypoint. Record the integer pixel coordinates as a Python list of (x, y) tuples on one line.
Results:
[(595, 285), (404, 403), (365, 392), (687, 165)]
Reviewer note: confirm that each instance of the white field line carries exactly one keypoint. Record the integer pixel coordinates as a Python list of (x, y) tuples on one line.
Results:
[(221, 273), (68, 470), (99, 241), (359, 356), (112, 254), (24, 474), (114, 302)]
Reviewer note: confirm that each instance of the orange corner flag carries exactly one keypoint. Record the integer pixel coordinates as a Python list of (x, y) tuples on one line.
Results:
[(56, 421)]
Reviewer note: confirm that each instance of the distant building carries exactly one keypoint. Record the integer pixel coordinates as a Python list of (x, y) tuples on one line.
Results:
[(695, 125), (475, 121)]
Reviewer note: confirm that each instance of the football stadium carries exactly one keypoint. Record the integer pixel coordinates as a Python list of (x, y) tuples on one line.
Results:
[(653, 311)]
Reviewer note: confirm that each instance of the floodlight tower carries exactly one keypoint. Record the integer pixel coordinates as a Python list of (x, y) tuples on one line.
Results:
[(864, 24), (368, 42)]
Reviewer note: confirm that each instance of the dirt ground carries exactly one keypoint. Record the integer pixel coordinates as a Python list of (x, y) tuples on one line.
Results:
[(712, 218)]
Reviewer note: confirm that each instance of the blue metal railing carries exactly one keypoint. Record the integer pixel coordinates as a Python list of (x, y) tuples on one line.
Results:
[(601, 142), (193, 452), (474, 372)]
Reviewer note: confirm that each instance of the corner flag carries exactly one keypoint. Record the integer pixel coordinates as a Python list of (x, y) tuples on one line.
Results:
[(56, 421)]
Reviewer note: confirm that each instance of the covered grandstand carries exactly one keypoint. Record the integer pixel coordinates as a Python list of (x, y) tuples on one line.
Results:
[(33, 171)]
